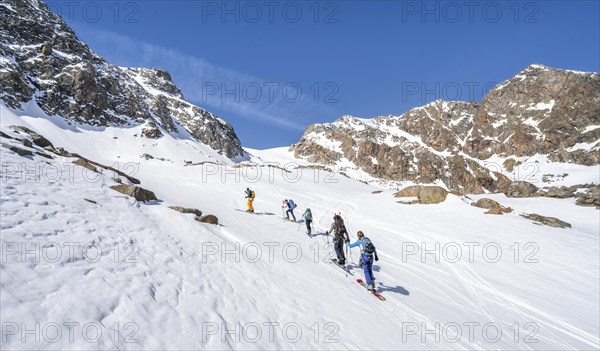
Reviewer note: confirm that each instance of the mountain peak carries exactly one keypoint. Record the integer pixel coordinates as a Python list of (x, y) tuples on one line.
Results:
[(540, 111), (43, 60)]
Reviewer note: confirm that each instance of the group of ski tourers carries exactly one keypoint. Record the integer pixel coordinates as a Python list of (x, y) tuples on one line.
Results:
[(340, 237)]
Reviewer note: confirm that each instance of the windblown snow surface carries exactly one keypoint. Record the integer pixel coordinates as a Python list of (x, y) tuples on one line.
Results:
[(118, 274)]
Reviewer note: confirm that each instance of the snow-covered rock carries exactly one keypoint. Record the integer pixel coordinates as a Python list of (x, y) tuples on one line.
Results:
[(42, 60), (471, 147)]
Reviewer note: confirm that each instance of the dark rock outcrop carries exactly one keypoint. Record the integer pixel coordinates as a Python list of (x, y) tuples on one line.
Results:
[(85, 164), (38, 139)]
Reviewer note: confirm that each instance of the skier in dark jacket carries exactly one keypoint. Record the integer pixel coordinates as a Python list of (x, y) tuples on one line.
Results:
[(368, 252), (340, 236), (307, 215)]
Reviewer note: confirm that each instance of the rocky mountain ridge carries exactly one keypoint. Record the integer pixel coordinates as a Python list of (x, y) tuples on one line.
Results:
[(41, 59), (540, 111)]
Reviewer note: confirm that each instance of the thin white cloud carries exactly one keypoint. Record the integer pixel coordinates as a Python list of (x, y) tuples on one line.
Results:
[(192, 75)]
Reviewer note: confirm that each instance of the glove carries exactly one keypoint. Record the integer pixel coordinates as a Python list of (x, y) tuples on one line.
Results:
[(347, 241), (327, 232), (376, 258)]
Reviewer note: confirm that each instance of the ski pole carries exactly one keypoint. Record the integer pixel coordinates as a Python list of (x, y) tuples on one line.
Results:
[(348, 249), (351, 259)]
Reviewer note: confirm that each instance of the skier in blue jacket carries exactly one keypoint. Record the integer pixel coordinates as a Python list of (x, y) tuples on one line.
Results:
[(367, 254), (290, 205)]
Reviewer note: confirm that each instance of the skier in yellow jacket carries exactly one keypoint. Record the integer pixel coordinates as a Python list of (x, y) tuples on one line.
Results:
[(250, 196)]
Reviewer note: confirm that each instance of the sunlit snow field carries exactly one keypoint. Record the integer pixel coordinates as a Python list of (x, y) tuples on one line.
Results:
[(119, 274)]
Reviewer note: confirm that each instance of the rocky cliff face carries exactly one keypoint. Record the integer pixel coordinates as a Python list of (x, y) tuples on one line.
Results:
[(42, 59), (540, 111)]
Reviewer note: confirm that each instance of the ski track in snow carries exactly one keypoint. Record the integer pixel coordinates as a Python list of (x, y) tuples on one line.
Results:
[(157, 270)]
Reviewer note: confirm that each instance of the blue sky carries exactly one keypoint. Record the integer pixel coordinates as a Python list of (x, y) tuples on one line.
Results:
[(271, 68)]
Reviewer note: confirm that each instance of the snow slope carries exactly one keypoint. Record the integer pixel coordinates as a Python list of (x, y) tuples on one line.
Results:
[(166, 281)]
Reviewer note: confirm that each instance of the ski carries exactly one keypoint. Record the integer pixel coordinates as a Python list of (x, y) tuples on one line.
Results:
[(334, 261), (374, 293)]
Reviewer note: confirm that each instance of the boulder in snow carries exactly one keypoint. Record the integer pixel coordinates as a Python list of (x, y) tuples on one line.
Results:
[(549, 221), (136, 192), (425, 194), (492, 205), (562, 192), (195, 211), (499, 210), (522, 189), (212, 219), (591, 197), (486, 203)]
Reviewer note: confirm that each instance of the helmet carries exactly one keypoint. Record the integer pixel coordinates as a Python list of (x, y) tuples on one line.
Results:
[(360, 234)]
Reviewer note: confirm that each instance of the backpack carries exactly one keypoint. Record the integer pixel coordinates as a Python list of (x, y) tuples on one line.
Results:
[(339, 223), (369, 247), (340, 230), (291, 204)]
